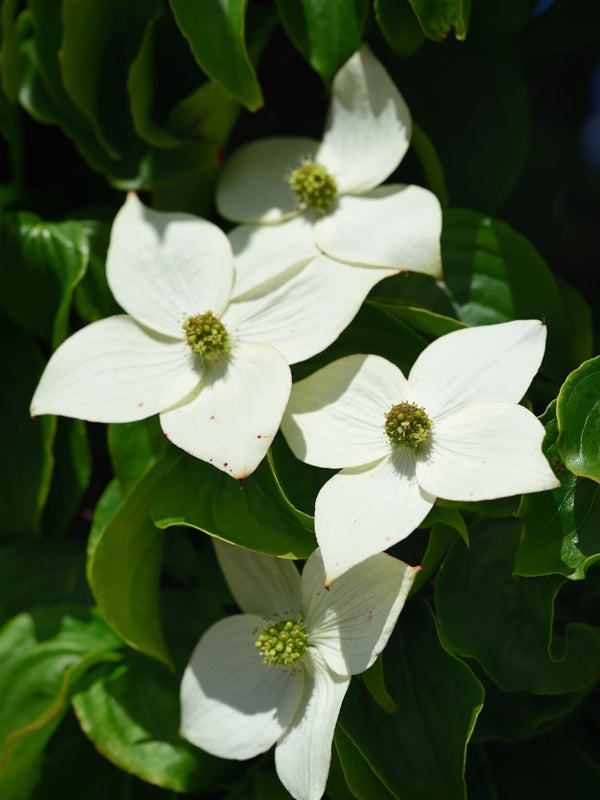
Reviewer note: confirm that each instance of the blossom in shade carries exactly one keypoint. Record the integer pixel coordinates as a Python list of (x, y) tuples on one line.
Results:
[(453, 429), (198, 345), (277, 673), (324, 200)]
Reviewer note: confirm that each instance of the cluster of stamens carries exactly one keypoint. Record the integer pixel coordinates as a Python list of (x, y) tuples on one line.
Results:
[(206, 335), (282, 643), (314, 187), (407, 424)]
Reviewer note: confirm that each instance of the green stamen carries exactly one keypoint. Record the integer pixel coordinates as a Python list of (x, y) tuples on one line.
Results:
[(282, 643), (206, 335), (407, 425), (314, 187)]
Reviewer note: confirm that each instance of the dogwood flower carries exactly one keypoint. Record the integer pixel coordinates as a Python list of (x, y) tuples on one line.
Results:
[(196, 346), (327, 195), (452, 429), (277, 674)]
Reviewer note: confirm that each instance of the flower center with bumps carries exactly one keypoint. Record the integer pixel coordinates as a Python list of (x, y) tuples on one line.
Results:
[(206, 335), (314, 187), (282, 643), (407, 424)]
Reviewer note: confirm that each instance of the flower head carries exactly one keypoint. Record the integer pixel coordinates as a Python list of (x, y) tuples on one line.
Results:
[(242, 693), (452, 429), (198, 346), (327, 195)]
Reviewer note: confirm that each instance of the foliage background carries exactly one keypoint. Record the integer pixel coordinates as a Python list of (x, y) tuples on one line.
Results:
[(489, 685)]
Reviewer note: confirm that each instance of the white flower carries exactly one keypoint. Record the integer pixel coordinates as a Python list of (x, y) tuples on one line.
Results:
[(367, 227), (243, 691), (221, 383), (453, 430)]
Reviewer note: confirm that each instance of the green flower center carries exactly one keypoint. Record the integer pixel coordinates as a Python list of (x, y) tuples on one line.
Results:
[(206, 335), (313, 186), (407, 424), (282, 643)]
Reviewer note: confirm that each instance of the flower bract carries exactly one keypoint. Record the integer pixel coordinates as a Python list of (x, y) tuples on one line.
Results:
[(327, 195), (234, 705), (453, 429), (201, 344)]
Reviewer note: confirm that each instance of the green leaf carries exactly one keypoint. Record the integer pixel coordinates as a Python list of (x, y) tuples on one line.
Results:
[(134, 448), (560, 528), (12, 63), (374, 680), (494, 275), (438, 17), (419, 751), (362, 781), (215, 30), (41, 263), (140, 84), (93, 298), (578, 415), (254, 514), (422, 320), (506, 623), (124, 566), (26, 468), (42, 657), (399, 26), (130, 711), (326, 32)]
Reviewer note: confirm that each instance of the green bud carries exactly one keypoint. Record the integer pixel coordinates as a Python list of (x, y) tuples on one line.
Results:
[(206, 335), (282, 643), (314, 187), (407, 425)]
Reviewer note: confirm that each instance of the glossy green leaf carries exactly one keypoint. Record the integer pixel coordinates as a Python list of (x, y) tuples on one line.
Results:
[(124, 563), (419, 751), (422, 320), (493, 275), (140, 84), (134, 448), (93, 298), (438, 17), (215, 30), (41, 263), (399, 26), (43, 655), (578, 415), (560, 528), (363, 782), (326, 32), (130, 711), (27, 464), (253, 513), (506, 622)]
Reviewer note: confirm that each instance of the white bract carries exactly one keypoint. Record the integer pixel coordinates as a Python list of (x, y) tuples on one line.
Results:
[(196, 346), (277, 674), (339, 212), (453, 429)]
